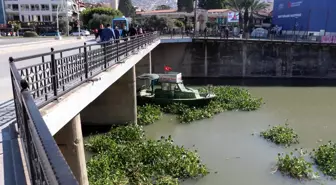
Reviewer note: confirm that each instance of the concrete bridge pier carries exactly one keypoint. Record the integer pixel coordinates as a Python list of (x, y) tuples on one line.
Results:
[(116, 105), (70, 141)]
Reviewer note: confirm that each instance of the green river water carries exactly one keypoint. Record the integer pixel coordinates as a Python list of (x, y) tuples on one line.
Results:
[(236, 157)]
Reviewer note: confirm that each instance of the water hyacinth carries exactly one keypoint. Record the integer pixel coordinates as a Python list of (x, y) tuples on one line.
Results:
[(148, 114), (295, 167), (227, 98), (281, 135), (325, 158), (124, 156)]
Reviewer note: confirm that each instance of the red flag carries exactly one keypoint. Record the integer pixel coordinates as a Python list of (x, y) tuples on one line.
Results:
[(167, 68)]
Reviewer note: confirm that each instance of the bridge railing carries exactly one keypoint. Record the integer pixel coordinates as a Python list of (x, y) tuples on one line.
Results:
[(286, 37), (47, 77)]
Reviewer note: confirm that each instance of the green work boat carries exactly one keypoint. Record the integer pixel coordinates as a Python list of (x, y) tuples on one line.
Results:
[(171, 90)]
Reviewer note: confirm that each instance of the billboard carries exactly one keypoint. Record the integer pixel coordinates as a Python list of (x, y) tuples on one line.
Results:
[(2, 12), (305, 15), (233, 17)]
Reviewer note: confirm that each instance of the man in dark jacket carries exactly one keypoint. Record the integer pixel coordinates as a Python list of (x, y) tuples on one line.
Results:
[(116, 34), (107, 34), (132, 32)]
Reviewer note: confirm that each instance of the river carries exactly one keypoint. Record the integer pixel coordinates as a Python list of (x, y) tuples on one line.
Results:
[(235, 156)]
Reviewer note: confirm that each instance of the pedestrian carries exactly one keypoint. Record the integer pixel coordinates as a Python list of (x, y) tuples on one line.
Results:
[(107, 34), (100, 30), (116, 34), (226, 32), (132, 32)]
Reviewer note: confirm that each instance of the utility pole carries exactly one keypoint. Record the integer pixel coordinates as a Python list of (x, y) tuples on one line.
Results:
[(195, 17), (67, 17)]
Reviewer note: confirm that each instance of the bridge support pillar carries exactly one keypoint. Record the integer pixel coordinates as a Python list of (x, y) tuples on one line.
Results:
[(116, 105), (150, 62), (70, 141)]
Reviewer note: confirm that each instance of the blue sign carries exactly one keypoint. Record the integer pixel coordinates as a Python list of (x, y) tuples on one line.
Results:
[(2, 12), (305, 15)]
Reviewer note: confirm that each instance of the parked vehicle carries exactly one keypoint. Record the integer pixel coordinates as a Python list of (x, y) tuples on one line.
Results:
[(50, 33), (83, 33)]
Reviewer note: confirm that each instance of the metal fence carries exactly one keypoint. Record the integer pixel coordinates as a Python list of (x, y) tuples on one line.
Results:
[(286, 37), (50, 76)]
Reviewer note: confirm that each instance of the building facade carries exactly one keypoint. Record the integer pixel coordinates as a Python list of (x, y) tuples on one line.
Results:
[(38, 10), (2, 13), (305, 15), (115, 4)]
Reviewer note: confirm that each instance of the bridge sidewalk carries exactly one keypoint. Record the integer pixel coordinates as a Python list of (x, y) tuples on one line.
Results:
[(11, 167)]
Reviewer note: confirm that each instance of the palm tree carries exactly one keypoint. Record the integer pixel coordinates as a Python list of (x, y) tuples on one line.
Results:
[(246, 10)]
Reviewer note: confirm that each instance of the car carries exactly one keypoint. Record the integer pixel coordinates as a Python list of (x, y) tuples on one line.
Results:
[(51, 33), (259, 33), (83, 33)]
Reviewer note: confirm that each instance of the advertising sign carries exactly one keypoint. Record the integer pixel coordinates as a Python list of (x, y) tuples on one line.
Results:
[(172, 78), (305, 15), (233, 17)]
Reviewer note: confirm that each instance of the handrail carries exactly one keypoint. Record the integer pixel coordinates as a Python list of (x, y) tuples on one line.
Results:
[(36, 85)]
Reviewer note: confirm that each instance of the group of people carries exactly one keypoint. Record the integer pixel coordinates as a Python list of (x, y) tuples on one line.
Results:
[(108, 33)]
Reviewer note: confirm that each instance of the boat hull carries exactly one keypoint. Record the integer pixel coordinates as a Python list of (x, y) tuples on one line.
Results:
[(142, 100)]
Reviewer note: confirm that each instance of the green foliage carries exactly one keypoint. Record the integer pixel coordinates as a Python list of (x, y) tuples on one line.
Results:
[(185, 5), (281, 135), (158, 23), (163, 7), (126, 7), (88, 13), (227, 98), (30, 34), (124, 156), (295, 167), (148, 114), (325, 159), (98, 19), (211, 4), (178, 23)]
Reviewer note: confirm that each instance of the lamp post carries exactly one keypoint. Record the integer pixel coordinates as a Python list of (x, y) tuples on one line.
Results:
[(79, 31), (58, 36)]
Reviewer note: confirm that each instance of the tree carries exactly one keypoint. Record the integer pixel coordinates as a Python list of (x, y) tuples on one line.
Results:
[(99, 19), (185, 5), (178, 23), (87, 14), (126, 7), (211, 4), (163, 7), (158, 23), (246, 9)]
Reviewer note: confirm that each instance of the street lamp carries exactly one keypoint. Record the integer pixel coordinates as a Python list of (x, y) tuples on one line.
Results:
[(58, 36), (195, 19)]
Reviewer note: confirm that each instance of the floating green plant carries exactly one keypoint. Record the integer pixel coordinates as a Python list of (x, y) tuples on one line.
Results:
[(124, 156), (295, 166), (227, 98), (148, 114), (325, 158), (281, 135)]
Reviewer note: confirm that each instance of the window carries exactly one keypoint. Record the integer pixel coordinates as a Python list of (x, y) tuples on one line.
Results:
[(54, 18), (34, 7), (24, 7), (54, 7), (46, 18), (15, 7), (44, 7)]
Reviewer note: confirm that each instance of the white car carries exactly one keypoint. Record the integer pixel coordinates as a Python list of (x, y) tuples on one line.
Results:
[(83, 33), (259, 33)]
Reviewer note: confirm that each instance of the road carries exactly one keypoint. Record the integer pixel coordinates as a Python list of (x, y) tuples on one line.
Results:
[(13, 40), (26, 50)]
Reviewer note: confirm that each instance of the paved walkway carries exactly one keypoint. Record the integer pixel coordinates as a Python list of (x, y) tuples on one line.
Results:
[(11, 168)]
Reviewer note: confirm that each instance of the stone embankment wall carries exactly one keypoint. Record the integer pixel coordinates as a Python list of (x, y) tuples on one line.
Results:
[(244, 59)]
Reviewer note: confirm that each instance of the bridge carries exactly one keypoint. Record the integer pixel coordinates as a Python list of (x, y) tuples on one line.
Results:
[(55, 92)]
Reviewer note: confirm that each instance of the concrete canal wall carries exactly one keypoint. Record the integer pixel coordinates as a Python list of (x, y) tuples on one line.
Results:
[(243, 59)]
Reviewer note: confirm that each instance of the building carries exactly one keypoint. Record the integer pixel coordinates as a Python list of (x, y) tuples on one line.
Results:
[(115, 4), (38, 10), (2, 13), (310, 16)]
